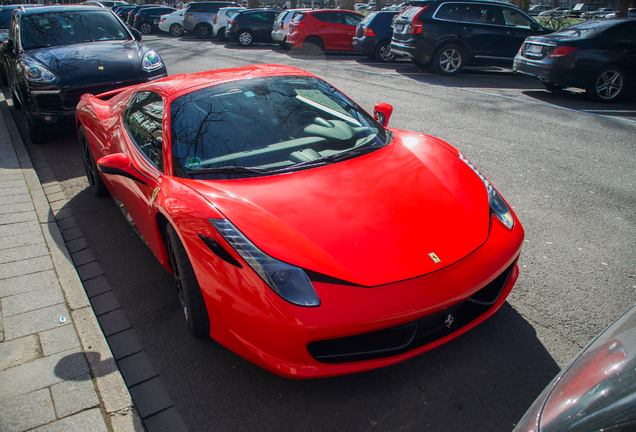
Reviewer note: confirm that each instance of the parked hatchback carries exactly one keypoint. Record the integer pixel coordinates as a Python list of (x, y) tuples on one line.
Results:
[(251, 25), (373, 36), (281, 25), (596, 55), (324, 30), (147, 19), (198, 18), (221, 19), (454, 34)]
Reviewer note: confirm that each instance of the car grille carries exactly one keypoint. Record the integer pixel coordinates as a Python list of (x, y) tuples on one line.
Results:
[(406, 337)]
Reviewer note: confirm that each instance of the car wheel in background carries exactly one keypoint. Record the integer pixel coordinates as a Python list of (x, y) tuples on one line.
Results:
[(176, 30), (448, 60), (383, 52), (245, 38), (607, 85), (95, 183), (221, 34), (190, 297), (313, 46), (203, 31), (145, 28)]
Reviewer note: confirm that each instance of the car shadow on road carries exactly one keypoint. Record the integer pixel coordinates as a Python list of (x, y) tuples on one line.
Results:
[(577, 100)]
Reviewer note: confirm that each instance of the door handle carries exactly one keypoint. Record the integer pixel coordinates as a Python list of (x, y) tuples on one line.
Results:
[(468, 28)]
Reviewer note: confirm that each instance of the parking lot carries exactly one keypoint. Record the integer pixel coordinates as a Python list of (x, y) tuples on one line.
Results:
[(566, 165)]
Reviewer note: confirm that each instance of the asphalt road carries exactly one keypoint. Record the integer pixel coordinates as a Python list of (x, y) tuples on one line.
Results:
[(566, 165)]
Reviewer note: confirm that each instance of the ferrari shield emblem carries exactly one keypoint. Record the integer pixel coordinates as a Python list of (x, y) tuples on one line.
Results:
[(435, 258), (152, 199)]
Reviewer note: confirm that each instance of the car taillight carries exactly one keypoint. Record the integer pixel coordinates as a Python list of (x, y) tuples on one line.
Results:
[(563, 51), (231, 22), (416, 24), (369, 32), (297, 25)]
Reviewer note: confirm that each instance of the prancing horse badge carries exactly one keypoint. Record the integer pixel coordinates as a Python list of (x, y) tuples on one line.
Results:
[(435, 258)]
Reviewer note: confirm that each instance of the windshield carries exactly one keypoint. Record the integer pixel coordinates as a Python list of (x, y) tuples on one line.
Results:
[(267, 125), (63, 28)]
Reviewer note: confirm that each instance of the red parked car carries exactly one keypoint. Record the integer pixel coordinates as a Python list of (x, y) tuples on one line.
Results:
[(302, 233), (324, 30)]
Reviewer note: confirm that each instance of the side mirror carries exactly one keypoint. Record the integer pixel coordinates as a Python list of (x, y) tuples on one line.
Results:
[(136, 34), (382, 113), (535, 26), (119, 164)]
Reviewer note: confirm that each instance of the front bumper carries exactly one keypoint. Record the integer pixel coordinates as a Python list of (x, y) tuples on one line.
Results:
[(348, 332)]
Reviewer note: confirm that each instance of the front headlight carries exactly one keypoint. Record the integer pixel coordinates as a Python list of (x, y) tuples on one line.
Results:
[(36, 73), (151, 61), (288, 281), (498, 206)]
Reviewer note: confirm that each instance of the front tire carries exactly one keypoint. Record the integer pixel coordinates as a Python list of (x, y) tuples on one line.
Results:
[(608, 85), (190, 297), (95, 182), (245, 38), (145, 28), (203, 31), (35, 134), (176, 30), (449, 60)]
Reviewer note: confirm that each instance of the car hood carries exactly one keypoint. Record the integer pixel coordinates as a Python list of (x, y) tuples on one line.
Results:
[(371, 220), (92, 62)]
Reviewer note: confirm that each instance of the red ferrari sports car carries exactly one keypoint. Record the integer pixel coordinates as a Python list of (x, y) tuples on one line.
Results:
[(303, 234)]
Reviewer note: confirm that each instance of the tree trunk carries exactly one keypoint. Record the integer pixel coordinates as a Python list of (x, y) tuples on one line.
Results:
[(348, 4), (524, 5), (253, 3)]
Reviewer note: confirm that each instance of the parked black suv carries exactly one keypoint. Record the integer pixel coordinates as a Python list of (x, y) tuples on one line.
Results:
[(147, 19), (373, 36), (452, 34), (252, 25)]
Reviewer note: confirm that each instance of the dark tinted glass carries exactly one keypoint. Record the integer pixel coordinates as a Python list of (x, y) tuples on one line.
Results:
[(329, 17), (143, 119), (266, 123), (480, 14), (62, 28), (450, 11)]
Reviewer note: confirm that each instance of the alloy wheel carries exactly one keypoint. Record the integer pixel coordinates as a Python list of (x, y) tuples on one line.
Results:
[(609, 84), (450, 60)]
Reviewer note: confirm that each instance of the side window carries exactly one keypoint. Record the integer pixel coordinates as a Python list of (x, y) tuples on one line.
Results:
[(627, 35), (450, 11), (350, 19), (480, 14), (330, 17), (515, 18), (143, 118)]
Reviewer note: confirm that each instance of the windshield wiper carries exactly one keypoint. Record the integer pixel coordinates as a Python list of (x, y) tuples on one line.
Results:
[(337, 157)]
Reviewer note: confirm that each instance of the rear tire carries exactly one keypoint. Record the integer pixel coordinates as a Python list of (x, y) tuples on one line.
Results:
[(145, 28), (95, 182), (176, 30), (449, 60), (383, 52), (190, 297), (313, 46), (608, 85), (245, 38), (203, 31)]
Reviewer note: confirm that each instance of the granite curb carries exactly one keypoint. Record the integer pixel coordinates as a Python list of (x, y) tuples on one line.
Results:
[(95, 311)]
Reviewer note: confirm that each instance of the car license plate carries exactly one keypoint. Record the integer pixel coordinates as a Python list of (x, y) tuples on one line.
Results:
[(534, 49), (399, 27)]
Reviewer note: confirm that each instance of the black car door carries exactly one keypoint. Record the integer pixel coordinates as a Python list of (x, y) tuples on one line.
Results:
[(518, 26), (481, 31)]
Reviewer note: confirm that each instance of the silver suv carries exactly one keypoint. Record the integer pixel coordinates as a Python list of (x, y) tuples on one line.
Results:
[(198, 18)]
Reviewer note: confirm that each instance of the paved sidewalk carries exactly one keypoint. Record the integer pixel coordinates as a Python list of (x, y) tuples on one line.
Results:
[(56, 369)]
